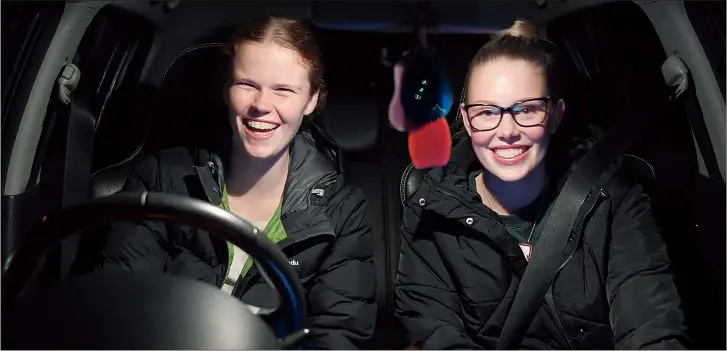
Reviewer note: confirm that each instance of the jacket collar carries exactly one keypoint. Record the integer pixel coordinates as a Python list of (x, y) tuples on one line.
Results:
[(314, 172), (454, 177), (314, 169)]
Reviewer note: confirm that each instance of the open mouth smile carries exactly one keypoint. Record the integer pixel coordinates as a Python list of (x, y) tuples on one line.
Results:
[(260, 126), (510, 155)]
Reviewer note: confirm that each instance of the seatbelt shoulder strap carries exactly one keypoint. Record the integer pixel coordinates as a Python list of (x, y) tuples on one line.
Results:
[(77, 169), (559, 238)]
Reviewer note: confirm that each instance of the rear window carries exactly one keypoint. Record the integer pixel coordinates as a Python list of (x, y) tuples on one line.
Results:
[(360, 65)]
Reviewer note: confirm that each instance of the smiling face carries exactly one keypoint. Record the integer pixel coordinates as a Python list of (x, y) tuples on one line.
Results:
[(268, 97), (510, 152)]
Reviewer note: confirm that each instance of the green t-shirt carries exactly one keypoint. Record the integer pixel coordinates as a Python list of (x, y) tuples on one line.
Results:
[(274, 231)]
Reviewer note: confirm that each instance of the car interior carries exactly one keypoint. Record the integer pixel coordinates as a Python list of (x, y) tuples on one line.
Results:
[(92, 87)]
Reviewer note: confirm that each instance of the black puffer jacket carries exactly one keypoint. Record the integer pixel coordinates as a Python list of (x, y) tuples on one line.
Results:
[(326, 233), (460, 268)]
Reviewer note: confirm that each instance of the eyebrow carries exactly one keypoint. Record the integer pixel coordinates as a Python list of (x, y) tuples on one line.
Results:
[(488, 102), (237, 79), (483, 102)]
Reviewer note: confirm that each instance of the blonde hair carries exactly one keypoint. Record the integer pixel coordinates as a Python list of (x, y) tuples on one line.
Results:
[(520, 41), (523, 29)]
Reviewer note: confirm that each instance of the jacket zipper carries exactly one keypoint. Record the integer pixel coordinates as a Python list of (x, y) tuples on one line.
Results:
[(601, 196), (550, 300), (466, 204)]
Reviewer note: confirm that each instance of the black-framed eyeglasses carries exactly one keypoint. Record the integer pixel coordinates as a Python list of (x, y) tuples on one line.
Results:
[(526, 113)]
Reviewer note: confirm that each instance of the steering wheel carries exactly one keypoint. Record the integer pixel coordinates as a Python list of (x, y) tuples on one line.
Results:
[(142, 310)]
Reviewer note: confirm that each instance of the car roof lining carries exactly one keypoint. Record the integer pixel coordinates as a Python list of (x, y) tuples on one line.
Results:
[(176, 32)]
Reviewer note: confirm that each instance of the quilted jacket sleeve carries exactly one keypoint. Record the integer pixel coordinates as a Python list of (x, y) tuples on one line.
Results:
[(136, 246), (341, 302), (645, 307)]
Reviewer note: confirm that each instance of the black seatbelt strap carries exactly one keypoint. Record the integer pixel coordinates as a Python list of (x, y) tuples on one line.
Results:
[(690, 104), (77, 168), (560, 238)]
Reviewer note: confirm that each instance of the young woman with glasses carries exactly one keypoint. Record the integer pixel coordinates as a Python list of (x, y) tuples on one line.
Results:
[(470, 229)]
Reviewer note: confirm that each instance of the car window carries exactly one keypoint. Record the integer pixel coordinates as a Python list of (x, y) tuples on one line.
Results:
[(454, 51), (615, 69)]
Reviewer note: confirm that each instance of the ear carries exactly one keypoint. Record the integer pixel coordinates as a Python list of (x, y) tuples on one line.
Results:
[(466, 120), (310, 106), (558, 112)]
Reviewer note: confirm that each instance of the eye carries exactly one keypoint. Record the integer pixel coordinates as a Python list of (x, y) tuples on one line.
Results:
[(245, 84), (286, 90), (490, 112), (524, 109)]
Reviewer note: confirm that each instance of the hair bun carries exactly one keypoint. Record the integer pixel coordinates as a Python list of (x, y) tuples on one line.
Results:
[(522, 29)]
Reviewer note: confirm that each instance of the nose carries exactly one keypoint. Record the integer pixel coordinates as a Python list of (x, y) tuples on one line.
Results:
[(261, 104), (508, 129)]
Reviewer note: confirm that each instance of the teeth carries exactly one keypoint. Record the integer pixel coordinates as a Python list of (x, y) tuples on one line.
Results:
[(264, 126), (509, 153)]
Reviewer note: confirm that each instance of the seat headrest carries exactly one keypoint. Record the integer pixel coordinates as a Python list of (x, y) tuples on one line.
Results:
[(641, 166), (411, 180), (352, 119), (191, 100)]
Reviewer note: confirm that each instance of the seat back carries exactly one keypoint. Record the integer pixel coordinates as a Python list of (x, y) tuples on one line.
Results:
[(352, 118), (183, 104), (191, 110)]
